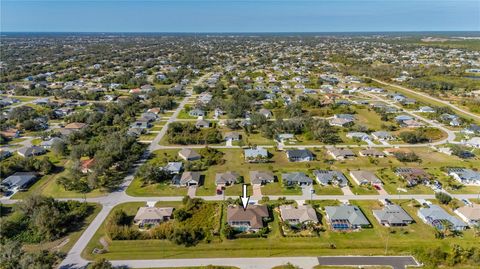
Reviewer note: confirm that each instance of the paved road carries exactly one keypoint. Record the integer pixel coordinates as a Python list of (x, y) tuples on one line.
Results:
[(74, 259), (154, 145), (450, 134), (397, 262), (430, 97), (243, 263)]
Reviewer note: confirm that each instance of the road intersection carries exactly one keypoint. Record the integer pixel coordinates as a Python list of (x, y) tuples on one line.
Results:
[(108, 202)]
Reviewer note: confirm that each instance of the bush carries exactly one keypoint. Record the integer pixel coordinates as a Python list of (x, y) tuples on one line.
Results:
[(443, 197)]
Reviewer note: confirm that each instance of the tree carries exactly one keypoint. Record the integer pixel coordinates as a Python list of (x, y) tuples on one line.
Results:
[(443, 198), (150, 173), (101, 264), (229, 232), (59, 148), (12, 257)]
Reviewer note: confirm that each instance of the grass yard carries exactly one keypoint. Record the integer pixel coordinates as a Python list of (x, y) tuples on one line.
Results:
[(137, 189), (147, 137), (369, 118)]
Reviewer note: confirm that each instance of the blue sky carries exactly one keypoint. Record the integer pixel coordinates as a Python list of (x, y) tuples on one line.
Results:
[(239, 16)]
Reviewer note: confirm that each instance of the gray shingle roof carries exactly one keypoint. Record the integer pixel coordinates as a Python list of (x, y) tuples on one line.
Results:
[(347, 212), (392, 214)]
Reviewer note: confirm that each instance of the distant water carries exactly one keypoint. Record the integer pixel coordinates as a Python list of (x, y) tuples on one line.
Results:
[(473, 77)]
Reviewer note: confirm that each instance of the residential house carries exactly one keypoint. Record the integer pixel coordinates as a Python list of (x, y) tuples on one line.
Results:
[(196, 112), (4, 154), (340, 122), (402, 118), (362, 177), (140, 124), (383, 136), (189, 154), (227, 178), (392, 215), (413, 176), (254, 155), (412, 124), (187, 179), (426, 109), (472, 129), (465, 176), (333, 177), (296, 178), (86, 166), (341, 153), (300, 215), (358, 136), (10, 133), (49, 143), (19, 180), (149, 116), (31, 151), (469, 213), (285, 137), (372, 153), (473, 142), (249, 219), (75, 126), (232, 136), (173, 168), (299, 155), (266, 113), (261, 177), (202, 124), (346, 217), (150, 216), (437, 217)]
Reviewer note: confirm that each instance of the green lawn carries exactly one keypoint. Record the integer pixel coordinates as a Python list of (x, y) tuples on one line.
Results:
[(137, 189)]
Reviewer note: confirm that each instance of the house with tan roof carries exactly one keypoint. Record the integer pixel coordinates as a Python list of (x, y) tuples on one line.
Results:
[(298, 215), (469, 213), (227, 178), (362, 177), (189, 154), (261, 177), (248, 220), (152, 215), (341, 153)]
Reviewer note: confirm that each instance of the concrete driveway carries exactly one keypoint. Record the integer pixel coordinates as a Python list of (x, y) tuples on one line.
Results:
[(257, 190), (192, 191)]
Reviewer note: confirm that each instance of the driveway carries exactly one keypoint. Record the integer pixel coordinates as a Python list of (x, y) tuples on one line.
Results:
[(382, 191), (346, 191), (257, 191), (397, 262), (192, 191)]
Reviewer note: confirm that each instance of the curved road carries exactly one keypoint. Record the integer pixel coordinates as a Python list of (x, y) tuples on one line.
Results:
[(74, 259), (429, 97)]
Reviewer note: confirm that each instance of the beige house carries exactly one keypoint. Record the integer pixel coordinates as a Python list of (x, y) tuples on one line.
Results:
[(152, 215)]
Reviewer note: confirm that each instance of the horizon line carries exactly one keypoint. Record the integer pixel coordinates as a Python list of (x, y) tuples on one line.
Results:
[(237, 32)]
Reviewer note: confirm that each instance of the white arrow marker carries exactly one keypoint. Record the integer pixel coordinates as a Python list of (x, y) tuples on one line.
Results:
[(244, 197)]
